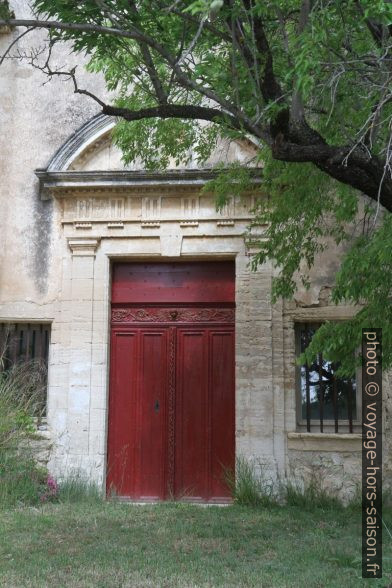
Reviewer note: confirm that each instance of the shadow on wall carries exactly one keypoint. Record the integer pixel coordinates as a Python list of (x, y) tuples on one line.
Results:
[(40, 239)]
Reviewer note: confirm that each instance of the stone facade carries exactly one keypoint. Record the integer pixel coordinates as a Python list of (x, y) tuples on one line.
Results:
[(62, 226)]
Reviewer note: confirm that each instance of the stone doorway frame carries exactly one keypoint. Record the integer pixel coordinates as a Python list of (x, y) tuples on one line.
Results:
[(79, 365)]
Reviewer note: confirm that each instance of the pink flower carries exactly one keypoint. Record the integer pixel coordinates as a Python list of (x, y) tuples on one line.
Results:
[(51, 489), (52, 485)]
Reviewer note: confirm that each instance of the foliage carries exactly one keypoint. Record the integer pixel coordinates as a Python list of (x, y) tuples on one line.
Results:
[(51, 490), (5, 10), (21, 480), (304, 213), (307, 82), (20, 399), (365, 279)]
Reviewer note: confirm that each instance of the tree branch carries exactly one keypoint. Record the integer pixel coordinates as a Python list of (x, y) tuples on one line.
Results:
[(291, 140), (270, 88), (183, 111), (148, 60), (14, 42), (140, 37), (297, 106), (350, 166)]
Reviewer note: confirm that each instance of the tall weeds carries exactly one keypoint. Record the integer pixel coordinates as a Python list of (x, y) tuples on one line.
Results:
[(309, 495), (249, 487), (21, 393)]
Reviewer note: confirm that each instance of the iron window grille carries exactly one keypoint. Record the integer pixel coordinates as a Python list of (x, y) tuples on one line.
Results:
[(22, 343), (326, 402)]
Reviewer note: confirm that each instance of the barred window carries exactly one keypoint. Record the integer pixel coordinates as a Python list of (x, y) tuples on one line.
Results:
[(26, 346), (325, 401)]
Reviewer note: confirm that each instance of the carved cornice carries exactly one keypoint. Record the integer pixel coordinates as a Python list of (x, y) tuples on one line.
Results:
[(173, 315), (72, 183)]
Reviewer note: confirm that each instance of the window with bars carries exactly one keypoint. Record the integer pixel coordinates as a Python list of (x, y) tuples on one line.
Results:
[(326, 403), (22, 343)]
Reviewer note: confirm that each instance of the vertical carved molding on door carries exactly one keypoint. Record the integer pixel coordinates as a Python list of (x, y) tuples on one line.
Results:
[(171, 411)]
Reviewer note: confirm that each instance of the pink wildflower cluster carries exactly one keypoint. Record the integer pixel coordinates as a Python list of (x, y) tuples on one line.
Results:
[(51, 489)]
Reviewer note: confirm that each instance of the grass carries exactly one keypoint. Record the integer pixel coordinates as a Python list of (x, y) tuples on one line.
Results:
[(105, 544)]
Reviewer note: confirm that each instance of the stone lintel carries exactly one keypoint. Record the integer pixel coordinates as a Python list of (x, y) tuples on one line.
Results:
[(339, 442), (321, 313)]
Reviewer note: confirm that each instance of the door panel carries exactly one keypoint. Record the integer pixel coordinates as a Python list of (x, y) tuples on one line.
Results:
[(122, 437), (165, 283), (221, 402), (152, 415), (191, 467), (137, 417)]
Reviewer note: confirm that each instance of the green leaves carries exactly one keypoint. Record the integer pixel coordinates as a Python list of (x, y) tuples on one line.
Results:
[(380, 10), (5, 10), (303, 209), (205, 7), (332, 69), (234, 180), (364, 280)]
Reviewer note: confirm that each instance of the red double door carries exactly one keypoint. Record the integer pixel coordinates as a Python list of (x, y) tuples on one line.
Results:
[(171, 408)]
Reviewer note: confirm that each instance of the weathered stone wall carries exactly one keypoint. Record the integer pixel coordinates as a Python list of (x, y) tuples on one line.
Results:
[(35, 120), (335, 472)]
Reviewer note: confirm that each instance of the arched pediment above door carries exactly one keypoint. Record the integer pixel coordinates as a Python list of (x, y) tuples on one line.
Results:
[(102, 197), (90, 137), (91, 148)]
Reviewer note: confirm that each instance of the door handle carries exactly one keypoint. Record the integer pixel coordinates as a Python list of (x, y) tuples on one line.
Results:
[(156, 406)]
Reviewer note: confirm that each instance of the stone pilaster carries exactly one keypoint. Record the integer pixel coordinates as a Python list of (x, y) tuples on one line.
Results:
[(81, 305)]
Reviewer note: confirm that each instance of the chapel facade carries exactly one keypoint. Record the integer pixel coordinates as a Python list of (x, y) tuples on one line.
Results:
[(167, 361)]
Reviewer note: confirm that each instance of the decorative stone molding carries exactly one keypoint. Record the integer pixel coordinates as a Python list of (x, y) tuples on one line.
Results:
[(150, 224), (147, 211), (93, 134), (83, 247), (318, 314), (194, 223), (225, 223), (116, 225), (84, 137), (173, 315), (117, 208), (73, 183), (339, 442), (190, 207), (83, 225), (151, 208)]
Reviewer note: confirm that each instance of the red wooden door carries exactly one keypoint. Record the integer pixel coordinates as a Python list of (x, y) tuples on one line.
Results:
[(171, 407)]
